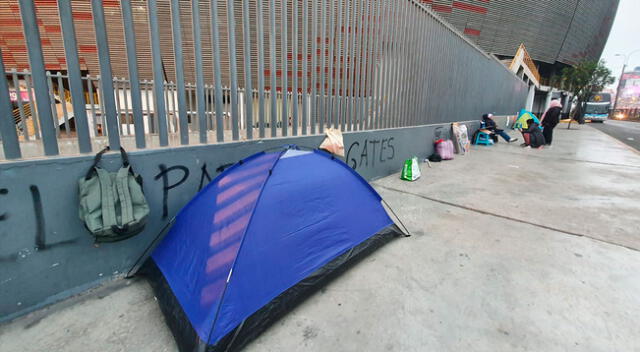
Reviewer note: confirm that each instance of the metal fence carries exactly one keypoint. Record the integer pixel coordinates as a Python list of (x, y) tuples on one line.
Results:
[(347, 64)]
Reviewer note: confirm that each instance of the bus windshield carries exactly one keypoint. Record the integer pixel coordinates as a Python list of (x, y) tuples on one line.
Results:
[(599, 104)]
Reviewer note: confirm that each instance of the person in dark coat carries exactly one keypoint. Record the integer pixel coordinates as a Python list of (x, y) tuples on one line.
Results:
[(533, 137), (550, 120)]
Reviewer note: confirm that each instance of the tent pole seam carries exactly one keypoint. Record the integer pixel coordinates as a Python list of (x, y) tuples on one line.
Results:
[(215, 319)]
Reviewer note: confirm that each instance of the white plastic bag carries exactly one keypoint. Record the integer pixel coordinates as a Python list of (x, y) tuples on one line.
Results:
[(333, 142)]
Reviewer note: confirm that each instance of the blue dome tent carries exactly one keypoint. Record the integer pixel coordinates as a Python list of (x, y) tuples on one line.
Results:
[(259, 238)]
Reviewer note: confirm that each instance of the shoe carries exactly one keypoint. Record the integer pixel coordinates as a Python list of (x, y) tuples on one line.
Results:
[(513, 140), (527, 147), (523, 145)]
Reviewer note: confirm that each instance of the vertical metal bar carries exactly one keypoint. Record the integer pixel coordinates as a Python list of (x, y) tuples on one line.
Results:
[(116, 87), (341, 65), (233, 66), (313, 118), (430, 60), (294, 68), (347, 62), (272, 54), (189, 105), (208, 107), (323, 71), (10, 143), (355, 27), (332, 56), (102, 113), (422, 83), (378, 73), (52, 98), (197, 44), (390, 111), (150, 118), (160, 113), (92, 103), (378, 68), (335, 102), (74, 76), (401, 80), (361, 64), (125, 97), (260, 42), (248, 87), (368, 79), (105, 73), (305, 58), (285, 66), (381, 68), (63, 102), (387, 117), (168, 96), (413, 67), (132, 64), (179, 65), (36, 62), (16, 87), (32, 104), (416, 64), (359, 56)]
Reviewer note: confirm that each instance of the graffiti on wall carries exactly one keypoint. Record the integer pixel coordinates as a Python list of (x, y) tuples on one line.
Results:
[(39, 236), (369, 152)]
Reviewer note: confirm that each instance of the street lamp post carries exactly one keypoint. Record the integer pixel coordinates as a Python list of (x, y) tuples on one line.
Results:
[(624, 67)]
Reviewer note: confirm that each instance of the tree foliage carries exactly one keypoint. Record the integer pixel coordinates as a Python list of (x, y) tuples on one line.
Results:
[(585, 79)]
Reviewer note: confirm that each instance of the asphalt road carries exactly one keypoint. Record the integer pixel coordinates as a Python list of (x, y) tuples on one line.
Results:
[(625, 131)]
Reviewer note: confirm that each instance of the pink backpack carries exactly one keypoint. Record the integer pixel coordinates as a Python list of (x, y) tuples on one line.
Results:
[(445, 149)]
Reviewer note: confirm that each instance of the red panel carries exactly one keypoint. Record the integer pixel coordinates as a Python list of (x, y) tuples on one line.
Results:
[(52, 29), (82, 16), (12, 22), (469, 7), (441, 8), (46, 2), (12, 35), (471, 31), (45, 42), (110, 3), (17, 48), (87, 49), (55, 67)]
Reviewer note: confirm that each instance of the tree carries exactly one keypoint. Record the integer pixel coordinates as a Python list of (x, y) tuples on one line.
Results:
[(583, 80)]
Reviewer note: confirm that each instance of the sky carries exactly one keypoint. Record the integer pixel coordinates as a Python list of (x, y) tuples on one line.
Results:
[(624, 38)]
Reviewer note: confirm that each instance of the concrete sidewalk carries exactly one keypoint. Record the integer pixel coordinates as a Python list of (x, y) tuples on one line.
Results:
[(512, 249)]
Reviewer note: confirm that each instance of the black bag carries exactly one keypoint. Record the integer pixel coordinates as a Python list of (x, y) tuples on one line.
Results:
[(435, 157)]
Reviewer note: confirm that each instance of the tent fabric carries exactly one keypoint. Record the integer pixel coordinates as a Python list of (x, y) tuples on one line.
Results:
[(245, 246), (523, 117)]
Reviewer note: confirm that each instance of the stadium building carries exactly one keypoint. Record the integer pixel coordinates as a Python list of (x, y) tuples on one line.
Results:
[(555, 33)]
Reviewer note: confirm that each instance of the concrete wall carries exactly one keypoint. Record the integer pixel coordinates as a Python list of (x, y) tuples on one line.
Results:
[(45, 252)]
